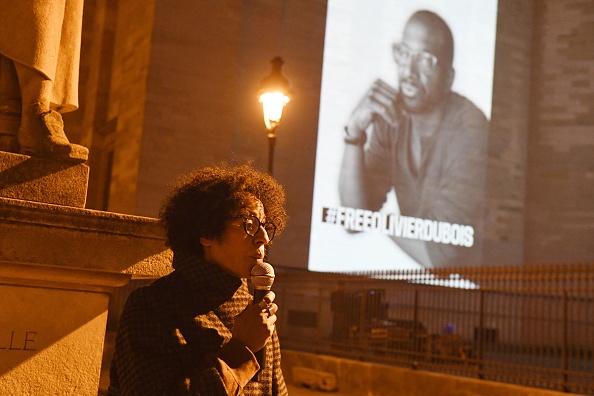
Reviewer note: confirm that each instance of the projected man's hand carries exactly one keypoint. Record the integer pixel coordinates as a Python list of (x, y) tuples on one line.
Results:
[(377, 101)]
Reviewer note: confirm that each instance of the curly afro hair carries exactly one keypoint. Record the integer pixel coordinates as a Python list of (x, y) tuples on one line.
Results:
[(202, 202)]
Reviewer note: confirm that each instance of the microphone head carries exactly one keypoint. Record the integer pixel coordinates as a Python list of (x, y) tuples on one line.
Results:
[(262, 276)]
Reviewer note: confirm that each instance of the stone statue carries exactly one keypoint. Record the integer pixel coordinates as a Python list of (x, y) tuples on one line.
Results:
[(39, 62)]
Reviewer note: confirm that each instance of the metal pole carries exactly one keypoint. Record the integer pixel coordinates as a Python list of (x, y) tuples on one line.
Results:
[(271, 143), (481, 340), (565, 348)]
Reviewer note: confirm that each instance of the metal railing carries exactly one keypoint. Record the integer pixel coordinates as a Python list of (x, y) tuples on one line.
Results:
[(528, 325)]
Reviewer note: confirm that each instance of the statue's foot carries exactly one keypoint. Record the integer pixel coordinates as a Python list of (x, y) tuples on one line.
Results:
[(42, 135)]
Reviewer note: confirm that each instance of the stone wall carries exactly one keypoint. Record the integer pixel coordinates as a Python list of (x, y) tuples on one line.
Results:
[(508, 135), (361, 378), (560, 178)]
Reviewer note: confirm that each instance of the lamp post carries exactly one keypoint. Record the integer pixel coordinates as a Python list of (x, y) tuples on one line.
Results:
[(274, 95)]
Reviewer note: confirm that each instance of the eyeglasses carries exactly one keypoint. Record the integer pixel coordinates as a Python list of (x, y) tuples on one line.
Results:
[(425, 61), (251, 225)]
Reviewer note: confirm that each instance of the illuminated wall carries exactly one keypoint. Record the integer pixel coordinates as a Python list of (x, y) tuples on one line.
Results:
[(158, 99)]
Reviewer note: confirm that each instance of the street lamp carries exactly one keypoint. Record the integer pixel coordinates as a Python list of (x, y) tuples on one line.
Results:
[(274, 95)]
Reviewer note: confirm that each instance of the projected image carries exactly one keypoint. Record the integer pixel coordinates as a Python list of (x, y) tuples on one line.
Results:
[(403, 134)]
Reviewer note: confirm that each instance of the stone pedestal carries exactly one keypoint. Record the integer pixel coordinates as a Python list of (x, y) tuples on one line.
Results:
[(42, 180), (52, 326), (59, 263)]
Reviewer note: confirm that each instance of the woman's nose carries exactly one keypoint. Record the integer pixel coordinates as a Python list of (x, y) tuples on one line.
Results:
[(262, 235)]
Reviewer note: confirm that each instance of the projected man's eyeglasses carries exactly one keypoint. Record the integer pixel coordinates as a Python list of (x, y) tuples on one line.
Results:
[(424, 61), (251, 225)]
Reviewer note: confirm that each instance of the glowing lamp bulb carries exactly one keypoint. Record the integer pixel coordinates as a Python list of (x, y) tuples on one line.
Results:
[(273, 104)]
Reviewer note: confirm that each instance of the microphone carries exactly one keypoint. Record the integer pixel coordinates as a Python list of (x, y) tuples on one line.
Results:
[(262, 280), (262, 277)]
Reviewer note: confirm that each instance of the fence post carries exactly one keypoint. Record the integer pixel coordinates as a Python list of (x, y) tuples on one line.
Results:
[(319, 318), (416, 344), (363, 345), (480, 354), (565, 358)]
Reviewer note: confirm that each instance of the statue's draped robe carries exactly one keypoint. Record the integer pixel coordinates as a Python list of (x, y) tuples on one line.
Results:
[(45, 35)]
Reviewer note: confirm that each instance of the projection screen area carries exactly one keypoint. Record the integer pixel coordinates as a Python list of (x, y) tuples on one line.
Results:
[(403, 134)]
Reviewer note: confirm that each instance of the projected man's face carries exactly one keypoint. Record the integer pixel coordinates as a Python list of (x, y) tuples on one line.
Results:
[(423, 80)]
